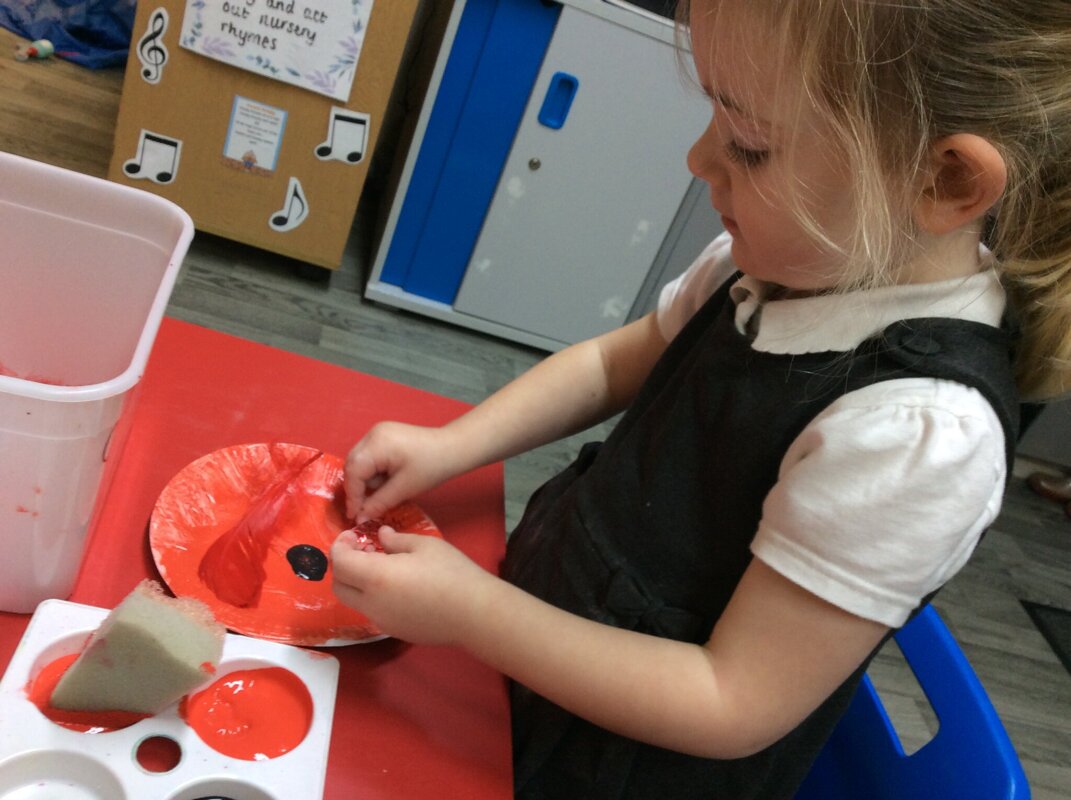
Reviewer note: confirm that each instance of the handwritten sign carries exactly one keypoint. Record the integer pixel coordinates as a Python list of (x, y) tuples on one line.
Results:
[(314, 44)]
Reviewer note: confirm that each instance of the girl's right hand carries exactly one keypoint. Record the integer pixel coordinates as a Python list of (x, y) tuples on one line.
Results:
[(393, 463)]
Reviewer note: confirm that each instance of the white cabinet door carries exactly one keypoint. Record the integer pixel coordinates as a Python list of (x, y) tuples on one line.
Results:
[(581, 211)]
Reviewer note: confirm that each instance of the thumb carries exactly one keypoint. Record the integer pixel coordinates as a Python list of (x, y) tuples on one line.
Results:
[(393, 541)]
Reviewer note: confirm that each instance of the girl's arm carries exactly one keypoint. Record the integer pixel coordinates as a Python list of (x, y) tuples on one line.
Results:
[(774, 656), (777, 652), (565, 393)]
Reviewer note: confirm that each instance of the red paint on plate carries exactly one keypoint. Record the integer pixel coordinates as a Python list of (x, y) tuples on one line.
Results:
[(251, 714), (233, 567), (209, 497)]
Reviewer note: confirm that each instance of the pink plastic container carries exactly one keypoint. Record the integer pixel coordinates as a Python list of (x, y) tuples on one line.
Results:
[(86, 270)]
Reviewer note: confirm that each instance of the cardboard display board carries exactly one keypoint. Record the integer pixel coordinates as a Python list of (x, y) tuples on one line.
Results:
[(250, 157)]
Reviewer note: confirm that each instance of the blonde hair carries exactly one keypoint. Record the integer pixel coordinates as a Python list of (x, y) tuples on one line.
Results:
[(890, 79)]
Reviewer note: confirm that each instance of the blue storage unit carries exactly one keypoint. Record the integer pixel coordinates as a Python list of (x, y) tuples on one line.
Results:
[(492, 65), (546, 173)]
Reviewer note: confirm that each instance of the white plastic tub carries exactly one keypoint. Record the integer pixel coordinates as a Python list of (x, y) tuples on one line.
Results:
[(86, 270)]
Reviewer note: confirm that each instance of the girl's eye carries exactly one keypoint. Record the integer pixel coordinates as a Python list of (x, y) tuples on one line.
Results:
[(745, 155)]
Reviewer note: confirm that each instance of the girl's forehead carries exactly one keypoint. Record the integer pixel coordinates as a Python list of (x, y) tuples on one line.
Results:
[(737, 57), (731, 58)]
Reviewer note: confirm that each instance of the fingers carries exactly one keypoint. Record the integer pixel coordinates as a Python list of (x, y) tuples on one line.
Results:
[(348, 548), (350, 561), (360, 576), (396, 542), (347, 595), (377, 477), (347, 539), (361, 512), (386, 495), (362, 475)]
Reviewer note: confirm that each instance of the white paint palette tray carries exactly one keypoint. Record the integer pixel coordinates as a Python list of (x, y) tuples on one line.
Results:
[(42, 760)]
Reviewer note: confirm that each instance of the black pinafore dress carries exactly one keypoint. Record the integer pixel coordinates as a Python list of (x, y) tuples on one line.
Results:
[(650, 531)]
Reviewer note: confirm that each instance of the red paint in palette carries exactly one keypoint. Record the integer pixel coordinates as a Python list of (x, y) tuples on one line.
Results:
[(251, 714), (39, 691)]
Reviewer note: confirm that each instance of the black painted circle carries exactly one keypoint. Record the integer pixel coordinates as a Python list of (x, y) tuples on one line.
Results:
[(308, 562)]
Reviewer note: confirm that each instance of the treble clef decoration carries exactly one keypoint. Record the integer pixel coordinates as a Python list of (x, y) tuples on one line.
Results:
[(151, 50)]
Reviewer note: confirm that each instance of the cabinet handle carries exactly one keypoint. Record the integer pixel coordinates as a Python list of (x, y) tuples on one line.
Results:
[(559, 98)]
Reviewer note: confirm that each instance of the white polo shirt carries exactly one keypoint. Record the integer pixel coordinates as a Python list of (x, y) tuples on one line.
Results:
[(884, 495)]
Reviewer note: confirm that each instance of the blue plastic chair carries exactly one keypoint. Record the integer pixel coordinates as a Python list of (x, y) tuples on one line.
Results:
[(969, 757)]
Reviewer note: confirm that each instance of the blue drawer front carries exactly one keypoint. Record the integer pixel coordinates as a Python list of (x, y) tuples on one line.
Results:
[(492, 66)]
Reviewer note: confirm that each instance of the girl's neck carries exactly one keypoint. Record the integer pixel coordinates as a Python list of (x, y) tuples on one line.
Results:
[(945, 257), (937, 258)]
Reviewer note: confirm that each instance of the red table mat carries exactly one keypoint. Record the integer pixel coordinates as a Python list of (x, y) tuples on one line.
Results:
[(410, 721)]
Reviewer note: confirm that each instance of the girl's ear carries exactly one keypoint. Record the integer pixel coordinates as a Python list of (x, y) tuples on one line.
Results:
[(967, 176)]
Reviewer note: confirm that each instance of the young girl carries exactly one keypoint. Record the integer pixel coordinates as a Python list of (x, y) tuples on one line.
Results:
[(820, 416)]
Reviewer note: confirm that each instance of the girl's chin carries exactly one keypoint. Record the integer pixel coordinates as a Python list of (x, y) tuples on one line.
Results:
[(740, 257), (730, 226)]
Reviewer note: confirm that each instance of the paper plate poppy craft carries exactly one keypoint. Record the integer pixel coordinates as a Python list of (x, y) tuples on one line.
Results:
[(248, 530)]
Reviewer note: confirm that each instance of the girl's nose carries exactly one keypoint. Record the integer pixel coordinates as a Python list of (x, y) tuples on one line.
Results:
[(703, 161)]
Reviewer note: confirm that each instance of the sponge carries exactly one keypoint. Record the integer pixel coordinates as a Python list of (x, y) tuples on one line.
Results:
[(148, 652)]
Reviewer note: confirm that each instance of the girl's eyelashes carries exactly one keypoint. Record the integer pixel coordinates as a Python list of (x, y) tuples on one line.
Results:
[(745, 156), (750, 157)]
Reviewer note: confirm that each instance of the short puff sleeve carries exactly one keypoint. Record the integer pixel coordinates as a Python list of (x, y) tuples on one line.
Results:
[(883, 497)]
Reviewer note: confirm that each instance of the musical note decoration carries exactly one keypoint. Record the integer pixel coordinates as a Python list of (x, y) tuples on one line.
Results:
[(157, 159), (151, 49), (347, 137), (294, 211)]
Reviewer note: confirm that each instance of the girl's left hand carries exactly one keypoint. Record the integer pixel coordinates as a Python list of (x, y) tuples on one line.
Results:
[(421, 589)]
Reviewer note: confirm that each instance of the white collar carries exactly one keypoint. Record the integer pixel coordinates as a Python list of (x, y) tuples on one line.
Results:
[(840, 322)]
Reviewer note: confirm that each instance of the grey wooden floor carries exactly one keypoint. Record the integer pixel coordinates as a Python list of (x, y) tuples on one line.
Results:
[(65, 116)]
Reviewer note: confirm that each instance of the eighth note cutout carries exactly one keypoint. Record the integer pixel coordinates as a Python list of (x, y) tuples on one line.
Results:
[(347, 136), (157, 159), (295, 209)]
